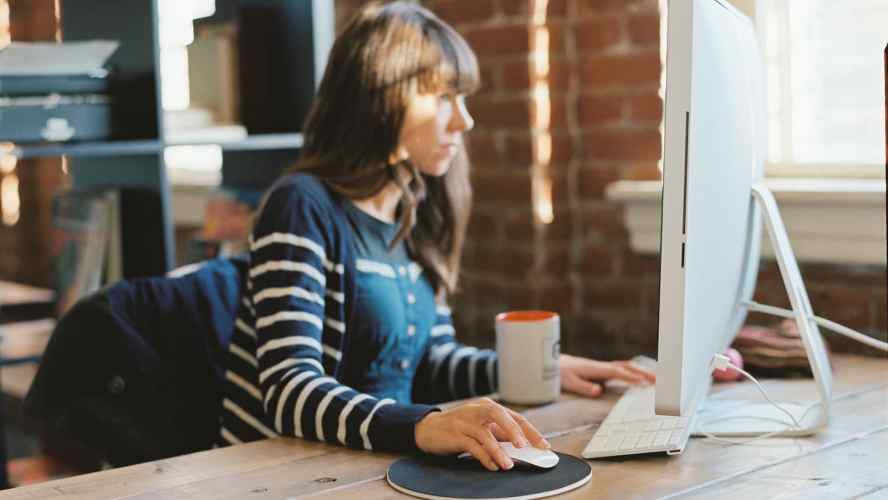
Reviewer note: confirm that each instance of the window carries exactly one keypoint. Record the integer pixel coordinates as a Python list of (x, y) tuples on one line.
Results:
[(826, 92)]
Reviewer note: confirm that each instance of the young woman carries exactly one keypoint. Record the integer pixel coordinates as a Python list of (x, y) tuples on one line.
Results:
[(344, 335)]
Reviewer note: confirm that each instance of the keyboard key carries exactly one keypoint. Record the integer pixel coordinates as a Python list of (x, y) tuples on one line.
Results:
[(614, 441), (629, 442), (598, 443), (677, 438), (646, 439), (638, 426), (653, 425), (668, 423), (662, 438)]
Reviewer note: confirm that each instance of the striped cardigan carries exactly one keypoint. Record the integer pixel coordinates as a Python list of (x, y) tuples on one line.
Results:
[(291, 337)]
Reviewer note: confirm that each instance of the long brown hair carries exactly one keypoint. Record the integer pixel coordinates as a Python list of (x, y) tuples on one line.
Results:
[(386, 54)]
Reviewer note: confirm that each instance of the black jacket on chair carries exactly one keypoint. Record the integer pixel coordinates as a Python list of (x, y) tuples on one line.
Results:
[(135, 372)]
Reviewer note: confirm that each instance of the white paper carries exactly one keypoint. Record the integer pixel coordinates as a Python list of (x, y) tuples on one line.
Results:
[(47, 58)]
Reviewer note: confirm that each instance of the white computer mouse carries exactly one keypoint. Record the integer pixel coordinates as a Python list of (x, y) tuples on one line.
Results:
[(528, 456)]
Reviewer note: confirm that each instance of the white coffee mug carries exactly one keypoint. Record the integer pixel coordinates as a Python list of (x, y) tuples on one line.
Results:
[(528, 345)]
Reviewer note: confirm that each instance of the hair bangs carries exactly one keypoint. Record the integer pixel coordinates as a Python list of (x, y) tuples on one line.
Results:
[(457, 67)]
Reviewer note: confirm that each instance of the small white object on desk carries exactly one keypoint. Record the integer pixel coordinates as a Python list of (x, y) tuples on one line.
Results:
[(528, 456)]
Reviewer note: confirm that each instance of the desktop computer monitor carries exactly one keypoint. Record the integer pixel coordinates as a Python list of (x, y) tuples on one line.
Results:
[(713, 206), (714, 147)]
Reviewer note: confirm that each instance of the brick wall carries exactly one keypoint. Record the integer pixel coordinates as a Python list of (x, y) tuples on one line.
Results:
[(603, 80)]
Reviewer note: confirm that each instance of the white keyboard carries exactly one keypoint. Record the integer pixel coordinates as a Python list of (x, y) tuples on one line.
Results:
[(631, 427)]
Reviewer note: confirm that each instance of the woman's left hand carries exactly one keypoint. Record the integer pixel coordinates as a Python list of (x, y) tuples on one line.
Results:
[(585, 376)]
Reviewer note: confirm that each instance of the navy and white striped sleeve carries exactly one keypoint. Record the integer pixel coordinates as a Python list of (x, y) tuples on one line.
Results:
[(450, 370), (289, 268)]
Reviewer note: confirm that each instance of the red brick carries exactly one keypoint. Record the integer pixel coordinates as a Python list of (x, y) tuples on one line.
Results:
[(594, 111), (644, 29), (558, 109), (488, 291), (560, 230), (483, 150), (557, 37), (522, 296), (519, 149), (482, 225), (32, 21), (556, 9), (562, 187), (495, 113), (652, 300), (879, 306), (457, 12), (623, 69), (501, 188), (560, 72), (837, 273), (598, 33), (646, 107), (507, 261), (558, 261), (597, 261), (643, 171), (635, 264), (516, 75), (560, 298), (562, 148), (587, 7), (846, 305), (622, 145), (499, 40), (604, 222), (612, 294), (520, 224), (490, 79), (594, 180)]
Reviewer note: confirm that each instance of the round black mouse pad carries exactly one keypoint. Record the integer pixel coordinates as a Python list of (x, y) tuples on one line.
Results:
[(446, 477)]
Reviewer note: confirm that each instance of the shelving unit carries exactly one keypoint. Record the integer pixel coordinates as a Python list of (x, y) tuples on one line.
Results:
[(134, 156)]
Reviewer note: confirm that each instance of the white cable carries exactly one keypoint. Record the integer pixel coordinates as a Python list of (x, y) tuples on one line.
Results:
[(720, 361), (757, 438), (829, 325)]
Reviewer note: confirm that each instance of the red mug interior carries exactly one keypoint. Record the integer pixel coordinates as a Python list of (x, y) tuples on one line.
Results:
[(526, 316)]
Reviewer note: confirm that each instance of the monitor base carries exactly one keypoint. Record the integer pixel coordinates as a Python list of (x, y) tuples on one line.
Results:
[(743, 418)]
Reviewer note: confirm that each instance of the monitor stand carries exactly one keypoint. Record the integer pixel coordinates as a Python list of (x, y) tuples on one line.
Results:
[(724, 417)]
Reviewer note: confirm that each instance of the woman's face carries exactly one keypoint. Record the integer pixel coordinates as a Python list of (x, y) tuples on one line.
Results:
[(432, 130)]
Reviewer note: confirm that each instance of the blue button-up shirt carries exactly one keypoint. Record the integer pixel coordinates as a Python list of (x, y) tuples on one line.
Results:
[(394, 313)]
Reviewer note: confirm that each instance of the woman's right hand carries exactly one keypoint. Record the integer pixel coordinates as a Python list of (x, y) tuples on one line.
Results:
[(477, 427)]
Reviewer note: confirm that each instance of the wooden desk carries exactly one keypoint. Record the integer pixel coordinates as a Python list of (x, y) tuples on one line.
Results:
[(846, 460)]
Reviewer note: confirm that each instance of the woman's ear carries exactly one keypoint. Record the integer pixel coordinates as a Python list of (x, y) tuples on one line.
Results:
[(398, 155)]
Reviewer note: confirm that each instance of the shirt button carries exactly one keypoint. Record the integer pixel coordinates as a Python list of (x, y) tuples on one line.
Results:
[(411, 330), (411, 299), (405, 364), (402, 271)]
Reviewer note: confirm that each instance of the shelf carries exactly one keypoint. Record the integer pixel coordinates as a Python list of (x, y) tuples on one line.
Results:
[(114, 148), (256, 142), (86, 149)]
